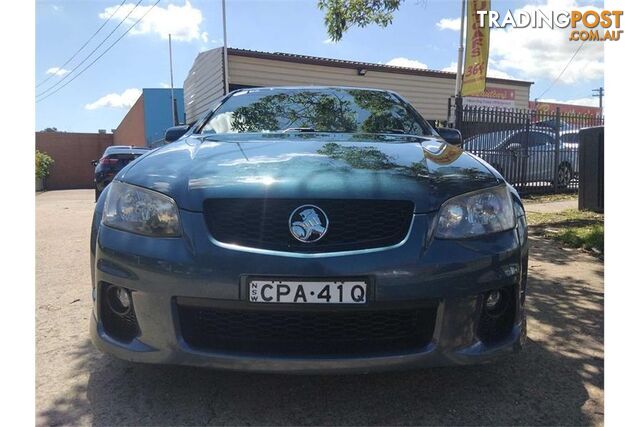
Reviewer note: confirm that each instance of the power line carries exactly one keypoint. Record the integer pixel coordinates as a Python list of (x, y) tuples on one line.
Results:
[(563, 70), (90, 53), (84, 45), (102, 54)]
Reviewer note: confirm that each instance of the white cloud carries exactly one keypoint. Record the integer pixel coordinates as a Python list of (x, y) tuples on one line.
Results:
[(165, 85), (452, 68), (182, 22), (449, 24), (406, 62), (329, 41), (590, 102), (123, 100), (57, 71), (542, 53)]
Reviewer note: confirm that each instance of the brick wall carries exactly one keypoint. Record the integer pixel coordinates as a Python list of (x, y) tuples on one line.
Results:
[(131, 130), (72, 153)]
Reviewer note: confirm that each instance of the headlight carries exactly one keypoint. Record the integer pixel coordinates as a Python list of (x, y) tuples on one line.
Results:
[(475, 214), (141, 211)]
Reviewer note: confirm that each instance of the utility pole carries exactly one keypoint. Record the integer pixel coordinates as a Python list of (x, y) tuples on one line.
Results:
[(174, 112), (460, 51), (224, 48), (458, 103), (599, 93)]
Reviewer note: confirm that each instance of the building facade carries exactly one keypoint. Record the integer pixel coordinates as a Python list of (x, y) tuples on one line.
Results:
[(72, 154), (145, 123), (429, 91)]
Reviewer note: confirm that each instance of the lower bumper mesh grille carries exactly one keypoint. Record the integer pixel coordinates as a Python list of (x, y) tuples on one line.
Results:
[(123, 328), (339, 332)]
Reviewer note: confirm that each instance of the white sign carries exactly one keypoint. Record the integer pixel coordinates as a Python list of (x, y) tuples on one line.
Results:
[(488, 102)]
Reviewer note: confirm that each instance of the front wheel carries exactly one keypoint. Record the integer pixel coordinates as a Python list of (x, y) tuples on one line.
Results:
[(565, 175)]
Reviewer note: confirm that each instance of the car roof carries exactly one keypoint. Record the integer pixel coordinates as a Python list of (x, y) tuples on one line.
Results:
[(268, 88)]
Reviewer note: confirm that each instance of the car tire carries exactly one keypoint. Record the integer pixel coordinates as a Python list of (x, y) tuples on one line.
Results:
[(565, 175), (97, 194)]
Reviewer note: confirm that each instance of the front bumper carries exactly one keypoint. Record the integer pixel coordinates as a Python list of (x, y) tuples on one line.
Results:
[(451, 276)]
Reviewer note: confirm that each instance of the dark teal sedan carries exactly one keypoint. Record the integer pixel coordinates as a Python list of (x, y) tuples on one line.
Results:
[(309, 230)]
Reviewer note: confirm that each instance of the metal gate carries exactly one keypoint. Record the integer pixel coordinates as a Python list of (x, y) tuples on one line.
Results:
[(534, 151)]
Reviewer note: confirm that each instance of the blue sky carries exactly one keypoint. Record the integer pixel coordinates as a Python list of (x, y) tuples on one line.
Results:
[(423, 34)]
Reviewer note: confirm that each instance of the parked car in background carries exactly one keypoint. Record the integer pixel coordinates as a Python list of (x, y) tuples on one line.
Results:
[(309, 230), (112, 161), (529, 155)]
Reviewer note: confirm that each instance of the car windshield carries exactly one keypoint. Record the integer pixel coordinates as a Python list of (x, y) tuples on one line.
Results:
[(311, 110)]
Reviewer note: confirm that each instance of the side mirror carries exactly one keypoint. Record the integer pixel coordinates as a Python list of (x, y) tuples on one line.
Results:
[(94, 162), (452, 136), (174, 133)]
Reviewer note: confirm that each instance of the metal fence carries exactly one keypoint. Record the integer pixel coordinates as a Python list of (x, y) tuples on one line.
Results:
[(534, 151)]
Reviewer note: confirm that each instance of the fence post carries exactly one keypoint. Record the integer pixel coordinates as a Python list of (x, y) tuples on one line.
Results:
[(556, 157), (458, 112), (522, 162)]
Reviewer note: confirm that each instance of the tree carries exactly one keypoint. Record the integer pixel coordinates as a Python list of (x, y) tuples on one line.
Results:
[(43, 164), (341, 15), (50, 130)]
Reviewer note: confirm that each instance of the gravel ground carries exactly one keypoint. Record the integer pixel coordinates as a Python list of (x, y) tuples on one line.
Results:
[(550, 207), (557, 380)]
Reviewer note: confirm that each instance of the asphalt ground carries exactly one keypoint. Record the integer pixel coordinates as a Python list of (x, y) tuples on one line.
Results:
[(557, 380)]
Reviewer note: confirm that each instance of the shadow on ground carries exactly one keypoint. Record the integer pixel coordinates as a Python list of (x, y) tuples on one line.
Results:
[(547, 384)]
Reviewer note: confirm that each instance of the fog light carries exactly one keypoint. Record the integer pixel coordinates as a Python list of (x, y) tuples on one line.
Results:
[(119, 300), (495, 303), (492, 300)]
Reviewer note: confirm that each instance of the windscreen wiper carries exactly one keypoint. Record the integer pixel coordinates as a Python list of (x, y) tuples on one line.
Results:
[(298, 130)]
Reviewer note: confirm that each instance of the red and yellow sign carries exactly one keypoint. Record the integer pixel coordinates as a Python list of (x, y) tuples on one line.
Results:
[(476, 58), (569, 109)]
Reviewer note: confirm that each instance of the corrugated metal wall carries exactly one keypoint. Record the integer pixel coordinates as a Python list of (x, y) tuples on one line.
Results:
[(204, 84), (429, 95)]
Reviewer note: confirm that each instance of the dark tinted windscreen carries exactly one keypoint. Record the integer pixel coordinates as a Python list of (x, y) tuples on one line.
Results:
[(322, 110)]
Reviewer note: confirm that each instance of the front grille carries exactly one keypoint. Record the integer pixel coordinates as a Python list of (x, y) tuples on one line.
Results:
[(353, 224), (321, 333)]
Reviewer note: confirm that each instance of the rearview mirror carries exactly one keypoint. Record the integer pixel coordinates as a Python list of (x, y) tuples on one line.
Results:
[(452, 136), (174, 133)]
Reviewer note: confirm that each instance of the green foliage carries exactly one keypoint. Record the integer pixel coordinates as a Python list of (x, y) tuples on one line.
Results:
[(301, 109), (358, 157), (340, 15), (574, 228), (43, 164), (590, 237), (335, 111)]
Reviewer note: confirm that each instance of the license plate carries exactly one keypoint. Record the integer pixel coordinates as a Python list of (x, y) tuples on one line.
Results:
[(307, 292)]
